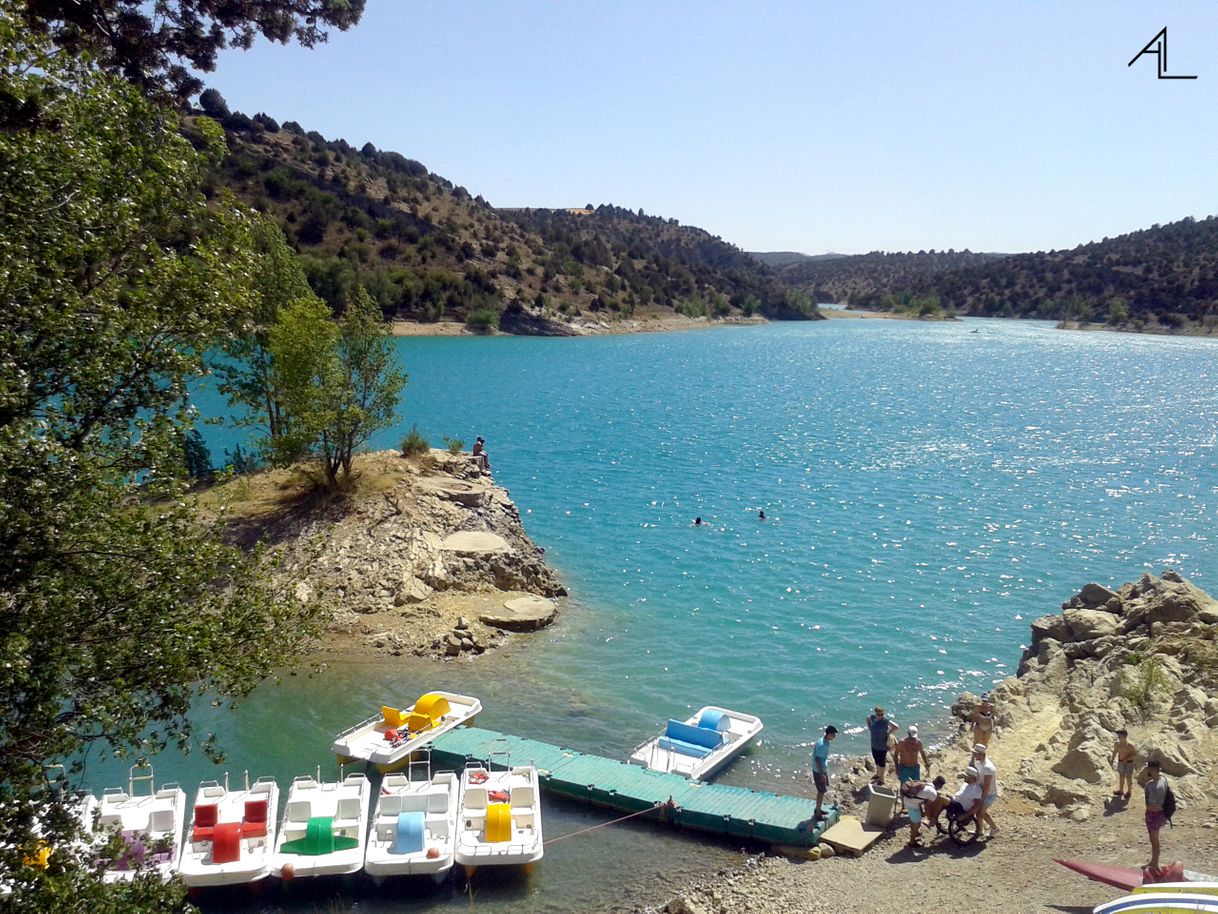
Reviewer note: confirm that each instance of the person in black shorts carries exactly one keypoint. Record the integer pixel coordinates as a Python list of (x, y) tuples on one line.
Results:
[(880, 728)]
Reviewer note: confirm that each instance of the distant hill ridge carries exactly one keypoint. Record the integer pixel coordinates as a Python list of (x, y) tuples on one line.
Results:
[(783, 258), (1161, 278), (426, 249)]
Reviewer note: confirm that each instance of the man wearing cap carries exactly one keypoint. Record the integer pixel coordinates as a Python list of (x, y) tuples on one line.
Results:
[(880, 728), (968, 800), (988, 776), (1155, 787), (820, 768), (906, 756)]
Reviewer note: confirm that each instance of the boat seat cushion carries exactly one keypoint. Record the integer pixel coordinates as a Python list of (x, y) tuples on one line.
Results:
[(696, 741), (254, 823), (348, 809), (205, 822), (161, 820), (393, 717), (408, 838)]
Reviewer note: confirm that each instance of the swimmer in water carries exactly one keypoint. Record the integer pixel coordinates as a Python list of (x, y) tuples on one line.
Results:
[(697, 521), (761, 514)]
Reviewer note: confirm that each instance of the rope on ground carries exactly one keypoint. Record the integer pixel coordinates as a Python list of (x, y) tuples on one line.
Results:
[(642, 812)]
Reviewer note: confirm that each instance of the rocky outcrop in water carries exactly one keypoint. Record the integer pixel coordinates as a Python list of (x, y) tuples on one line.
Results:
[(415, 558)]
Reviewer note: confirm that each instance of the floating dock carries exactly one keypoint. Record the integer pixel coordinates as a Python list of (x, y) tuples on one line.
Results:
[(734, 811)]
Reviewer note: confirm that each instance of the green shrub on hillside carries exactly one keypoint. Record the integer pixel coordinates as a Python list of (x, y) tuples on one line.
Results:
[(415, 443), (483, 320)]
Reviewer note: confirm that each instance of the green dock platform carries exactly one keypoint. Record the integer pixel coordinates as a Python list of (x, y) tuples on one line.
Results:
[(734, 811)]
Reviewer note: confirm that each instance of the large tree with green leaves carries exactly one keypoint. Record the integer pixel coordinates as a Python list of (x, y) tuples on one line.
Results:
[(118, 603), (156, 43), (246, 373), (338, 383), (365, 392)]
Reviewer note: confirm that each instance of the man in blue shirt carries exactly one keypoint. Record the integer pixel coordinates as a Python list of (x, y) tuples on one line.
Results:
[(881, 728), (820, 768)]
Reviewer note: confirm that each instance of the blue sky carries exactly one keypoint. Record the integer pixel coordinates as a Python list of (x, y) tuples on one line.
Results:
[(800, 126)]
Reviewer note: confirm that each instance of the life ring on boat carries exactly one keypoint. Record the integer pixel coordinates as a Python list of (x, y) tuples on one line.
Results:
[(478, 777)]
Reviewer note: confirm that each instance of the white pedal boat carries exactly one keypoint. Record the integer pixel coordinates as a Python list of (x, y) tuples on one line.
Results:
[(414, 828), (150, 826), (232, 833), (700, 746), (325, 827), (39, 856), (388, 738), (500, 817)]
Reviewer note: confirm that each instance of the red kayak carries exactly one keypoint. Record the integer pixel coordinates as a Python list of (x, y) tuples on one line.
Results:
[(1128, 877)]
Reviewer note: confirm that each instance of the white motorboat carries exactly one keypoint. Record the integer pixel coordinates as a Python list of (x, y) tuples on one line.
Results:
[(700, 746), (148, 825), (414, 828), (500, 817), (388, 738), (232, 833), (325, 827)]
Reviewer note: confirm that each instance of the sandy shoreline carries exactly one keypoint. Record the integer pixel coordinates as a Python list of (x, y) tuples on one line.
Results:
[(1158, 330), (667, 323)]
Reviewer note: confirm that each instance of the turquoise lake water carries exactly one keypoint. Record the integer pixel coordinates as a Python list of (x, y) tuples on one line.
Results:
[(930, 489)]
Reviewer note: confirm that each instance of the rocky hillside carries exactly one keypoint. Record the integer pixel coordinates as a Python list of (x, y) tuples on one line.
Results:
[(428, 249), (865, 280), (426, 555), (1144, 657), (1162, 279)]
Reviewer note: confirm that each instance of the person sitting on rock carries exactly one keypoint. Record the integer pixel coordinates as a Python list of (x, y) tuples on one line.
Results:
[(480, 456)]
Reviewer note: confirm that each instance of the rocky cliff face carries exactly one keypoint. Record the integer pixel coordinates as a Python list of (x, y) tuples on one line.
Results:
[(1143, 658), (420, 558)]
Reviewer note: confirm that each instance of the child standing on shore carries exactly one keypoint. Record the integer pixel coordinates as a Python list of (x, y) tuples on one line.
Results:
[(1124, 754)]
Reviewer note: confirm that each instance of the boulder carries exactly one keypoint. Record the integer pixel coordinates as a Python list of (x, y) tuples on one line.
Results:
[(1174, 758), (1169, 599), (411, 590), (1093, 595), (1087, 757), (1054, 627), (522, 614), (1088, 624), (682, 905)]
